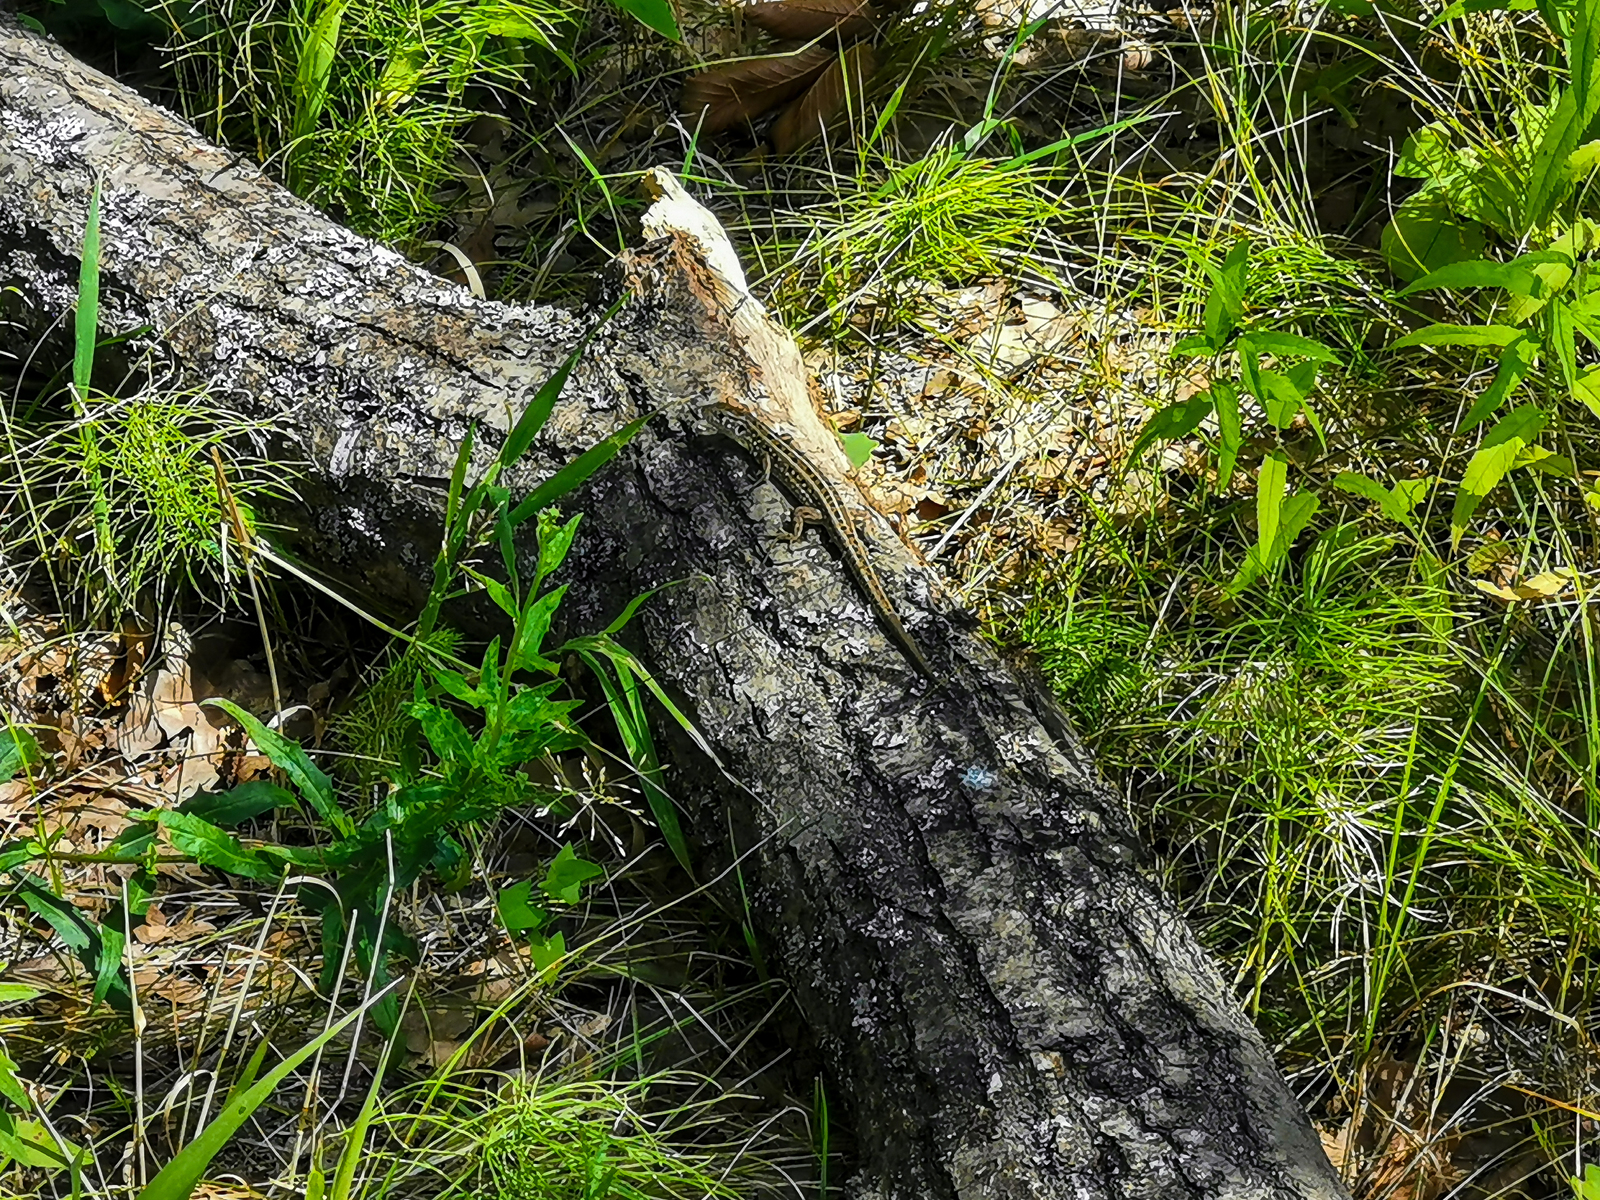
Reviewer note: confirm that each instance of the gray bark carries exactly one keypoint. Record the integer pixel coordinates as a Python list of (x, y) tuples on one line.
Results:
[(1008, 1001)]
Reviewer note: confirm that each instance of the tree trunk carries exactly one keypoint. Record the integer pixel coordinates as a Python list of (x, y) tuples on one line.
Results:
[(1007, 1000)]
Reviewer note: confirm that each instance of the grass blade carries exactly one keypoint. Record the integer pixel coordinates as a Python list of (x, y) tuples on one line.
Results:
[(179, 1178)]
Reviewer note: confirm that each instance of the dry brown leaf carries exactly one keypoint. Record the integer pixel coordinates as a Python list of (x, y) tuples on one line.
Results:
[(807, 19), (804, 120), (740, 92), (136, 641)]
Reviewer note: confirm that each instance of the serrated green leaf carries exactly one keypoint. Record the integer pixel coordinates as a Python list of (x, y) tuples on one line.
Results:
[(1280, 397), (213, 847), (1478, 273), (532, 627), (1586, 389), (1196, 345), (1230, 430), (1361, 485), (1476, 336), (1225, 303), (1561, 338), (455, 684), (445, 733), (288, 756), (1495, 457), (1174, 421), (1290, 345), (1516, 360), (1270, 483)]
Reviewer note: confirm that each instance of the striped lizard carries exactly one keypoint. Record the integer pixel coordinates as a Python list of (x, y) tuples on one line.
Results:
[(820, 502)]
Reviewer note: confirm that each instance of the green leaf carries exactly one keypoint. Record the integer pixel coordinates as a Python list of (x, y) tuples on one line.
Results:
[(1561, 337), (88, 312), (1196, 345), (1554, 265), (108, 959), (1174, 421), (1588, 1188), (30, 1144), (547, 953), (1497, 336), (1397, 505), (1231, 431), (179, 1178), (1495, 457), (1425, 234), (567, 874), (318, 52), (498, 592), (213, 847), (1586, 388), (1270, 483), (1298, 510), (71, 926), (1280, 397), (1476, 273), (1462, 7), (532, 627), (533, 417), (1516, 360), (517, 911), (239, 804), (445, 733), (1548, 179), (652, 14), (578, 471), (1290, 345), (10, 993), (455, 684), (555, 539), (10, 1086), (18, 751), (858, 447), (287, 755), (1225, 304)]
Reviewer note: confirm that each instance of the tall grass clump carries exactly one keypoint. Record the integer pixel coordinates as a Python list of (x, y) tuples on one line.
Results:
[(362, 105)]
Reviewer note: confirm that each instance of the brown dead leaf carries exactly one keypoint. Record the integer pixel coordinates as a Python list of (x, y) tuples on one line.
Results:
[(807, 19), (133, 650), (805, 119), (740, 92)]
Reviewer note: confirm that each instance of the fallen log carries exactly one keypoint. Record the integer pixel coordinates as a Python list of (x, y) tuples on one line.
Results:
[(1009, 1004)]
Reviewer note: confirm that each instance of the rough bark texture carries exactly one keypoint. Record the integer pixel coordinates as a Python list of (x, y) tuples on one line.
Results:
[(1009, 1002)]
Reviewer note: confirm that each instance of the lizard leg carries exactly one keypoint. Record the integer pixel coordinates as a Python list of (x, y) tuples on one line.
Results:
[(801, 514)]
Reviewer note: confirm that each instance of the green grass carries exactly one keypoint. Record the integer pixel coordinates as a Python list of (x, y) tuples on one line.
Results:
[(150, 469)]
